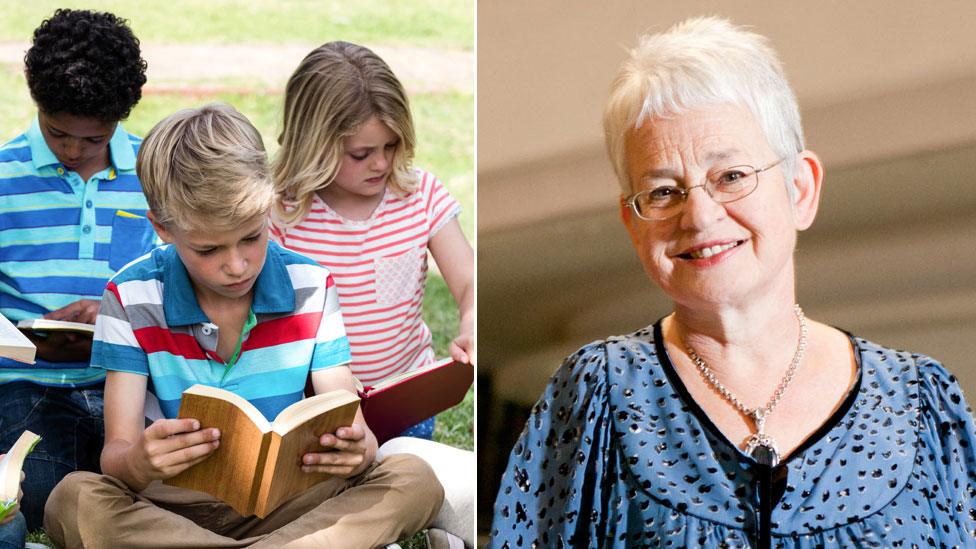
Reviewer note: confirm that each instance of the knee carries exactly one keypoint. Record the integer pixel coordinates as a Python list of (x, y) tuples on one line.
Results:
[(414, 476), (71, 497), (68, 491)]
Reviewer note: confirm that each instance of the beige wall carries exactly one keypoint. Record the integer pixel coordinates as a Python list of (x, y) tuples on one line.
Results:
[(888, 94)]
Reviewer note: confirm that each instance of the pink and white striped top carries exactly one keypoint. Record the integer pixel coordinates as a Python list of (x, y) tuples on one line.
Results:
[(380, 268)]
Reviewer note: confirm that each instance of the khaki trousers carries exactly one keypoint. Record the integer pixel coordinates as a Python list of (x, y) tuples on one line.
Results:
[(388, 501)]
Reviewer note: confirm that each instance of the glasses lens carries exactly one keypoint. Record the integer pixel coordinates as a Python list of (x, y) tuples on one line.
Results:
[(732, 183), (658, 203)]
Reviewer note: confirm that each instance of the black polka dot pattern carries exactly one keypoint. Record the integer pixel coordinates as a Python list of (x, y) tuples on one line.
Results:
[(616, 454)]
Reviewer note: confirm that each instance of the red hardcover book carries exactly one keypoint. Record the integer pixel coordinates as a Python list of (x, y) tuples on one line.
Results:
[(406, 399)]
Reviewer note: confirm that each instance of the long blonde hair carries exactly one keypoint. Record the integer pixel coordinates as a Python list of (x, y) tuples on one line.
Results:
[(337, 88)]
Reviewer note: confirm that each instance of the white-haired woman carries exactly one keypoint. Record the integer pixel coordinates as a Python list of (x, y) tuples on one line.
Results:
[(735, 420)]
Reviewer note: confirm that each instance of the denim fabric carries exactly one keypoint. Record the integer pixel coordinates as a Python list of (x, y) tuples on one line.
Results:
[(424, 430), (13, 535), (71, 428)]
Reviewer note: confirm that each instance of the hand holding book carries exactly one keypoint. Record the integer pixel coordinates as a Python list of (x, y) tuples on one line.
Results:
[(343, 452), (168, 447), (260, 464)]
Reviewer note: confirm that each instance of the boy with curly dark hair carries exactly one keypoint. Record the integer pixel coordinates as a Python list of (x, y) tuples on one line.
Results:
[(72, 212)]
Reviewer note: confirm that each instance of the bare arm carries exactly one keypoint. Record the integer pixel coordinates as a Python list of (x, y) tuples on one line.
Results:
[(350, 449), (138, 455), (455, 259)]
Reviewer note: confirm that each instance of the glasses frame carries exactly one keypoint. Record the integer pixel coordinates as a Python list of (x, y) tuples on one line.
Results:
[(684, 192)]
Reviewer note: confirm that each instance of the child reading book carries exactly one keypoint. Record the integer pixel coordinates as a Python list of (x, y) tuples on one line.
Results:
[(221, 306), (349, 198), (72, 213)]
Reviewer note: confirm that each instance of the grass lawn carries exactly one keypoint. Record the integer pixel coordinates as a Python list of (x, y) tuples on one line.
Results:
[(422, 23)]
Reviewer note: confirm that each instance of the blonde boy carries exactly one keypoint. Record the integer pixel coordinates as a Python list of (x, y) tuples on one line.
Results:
[(220, 305)]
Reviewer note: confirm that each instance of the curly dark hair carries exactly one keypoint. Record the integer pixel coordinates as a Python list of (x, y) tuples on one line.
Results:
[(85, 63)]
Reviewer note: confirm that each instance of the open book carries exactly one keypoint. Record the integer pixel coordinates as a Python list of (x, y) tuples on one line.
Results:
[(15, 345), (258, 463), (48, 325), (406, 399), (10, 467)]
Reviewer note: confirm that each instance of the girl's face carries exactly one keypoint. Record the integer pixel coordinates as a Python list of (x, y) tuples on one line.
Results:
[(367, 160)]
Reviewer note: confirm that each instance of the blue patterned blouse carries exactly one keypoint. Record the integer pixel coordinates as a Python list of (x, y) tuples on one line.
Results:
[(617, 454)]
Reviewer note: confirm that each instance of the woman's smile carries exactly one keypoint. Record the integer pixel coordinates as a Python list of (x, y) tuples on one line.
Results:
[(709, 253)]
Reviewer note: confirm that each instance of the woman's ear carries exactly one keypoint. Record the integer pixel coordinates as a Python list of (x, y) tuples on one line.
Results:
[(160, 229), (807, 183)]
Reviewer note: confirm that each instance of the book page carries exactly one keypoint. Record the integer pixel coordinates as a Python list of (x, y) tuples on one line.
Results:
[(48, 325), (393, 380), (10, 467), (14, 344)]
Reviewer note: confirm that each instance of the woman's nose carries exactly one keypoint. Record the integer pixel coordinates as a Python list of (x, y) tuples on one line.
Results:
[(700, 209)]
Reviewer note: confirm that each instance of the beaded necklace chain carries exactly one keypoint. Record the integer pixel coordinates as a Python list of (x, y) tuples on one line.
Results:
[(760, 445)]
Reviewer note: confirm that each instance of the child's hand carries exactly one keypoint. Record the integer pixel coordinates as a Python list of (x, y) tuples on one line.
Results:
[(347, 456), (462, 348), (169, 447), (83, 310)]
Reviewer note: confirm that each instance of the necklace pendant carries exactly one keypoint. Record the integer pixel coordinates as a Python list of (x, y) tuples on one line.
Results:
[(759, 418), (763, 449)]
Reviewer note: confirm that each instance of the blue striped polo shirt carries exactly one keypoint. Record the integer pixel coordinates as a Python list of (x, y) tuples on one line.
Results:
[(150, 323), (62, 238)]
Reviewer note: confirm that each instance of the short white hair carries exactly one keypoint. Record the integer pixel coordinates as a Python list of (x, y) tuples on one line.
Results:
[(697, 63)]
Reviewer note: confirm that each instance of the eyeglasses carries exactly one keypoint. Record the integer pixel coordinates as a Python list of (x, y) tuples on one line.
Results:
[(723, 186)]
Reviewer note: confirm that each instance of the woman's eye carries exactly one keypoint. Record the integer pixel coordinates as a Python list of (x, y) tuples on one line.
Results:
[(359, 157), (730, 178), (661, 193)]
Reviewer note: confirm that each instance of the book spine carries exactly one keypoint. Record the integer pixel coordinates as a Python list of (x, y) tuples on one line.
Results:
[(259, 496), (265, 473)]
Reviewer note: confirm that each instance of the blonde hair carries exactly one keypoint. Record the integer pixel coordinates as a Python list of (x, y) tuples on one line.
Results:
[(336, 89), (696, 63), (205, 167)]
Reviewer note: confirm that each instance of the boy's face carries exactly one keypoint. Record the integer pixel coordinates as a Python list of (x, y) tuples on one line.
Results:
[(221, 264), (78, 142)]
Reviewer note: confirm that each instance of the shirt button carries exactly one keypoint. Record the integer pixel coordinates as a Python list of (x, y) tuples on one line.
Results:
[(60, 171), (88, 203), (86, 229), (207, 329)]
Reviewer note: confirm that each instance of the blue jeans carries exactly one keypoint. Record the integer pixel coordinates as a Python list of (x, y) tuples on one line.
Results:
[(72, 430), (424, 429), (13, 535)]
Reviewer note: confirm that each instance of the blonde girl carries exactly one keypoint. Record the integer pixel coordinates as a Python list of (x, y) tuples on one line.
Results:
[(349, 198)]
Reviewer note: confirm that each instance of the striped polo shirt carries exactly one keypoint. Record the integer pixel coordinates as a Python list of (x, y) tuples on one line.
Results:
[(150, 323), (62, 238), (380, 268)]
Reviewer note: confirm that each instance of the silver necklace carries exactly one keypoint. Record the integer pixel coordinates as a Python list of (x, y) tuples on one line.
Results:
[(760, 445)]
